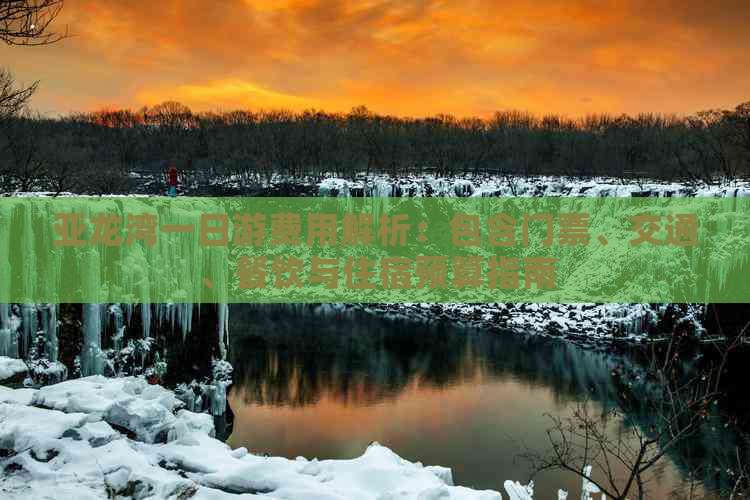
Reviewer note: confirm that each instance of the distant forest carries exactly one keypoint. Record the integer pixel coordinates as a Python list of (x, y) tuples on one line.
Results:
[(95, 152)]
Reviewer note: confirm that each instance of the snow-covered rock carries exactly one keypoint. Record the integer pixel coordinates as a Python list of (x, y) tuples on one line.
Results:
[(188, 423), (583, 321), (129, 402), (12, 368), (96, 433), (43, 371)]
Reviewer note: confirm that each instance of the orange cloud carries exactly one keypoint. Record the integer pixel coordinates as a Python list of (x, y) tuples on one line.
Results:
[(233, 94), (404, 57)]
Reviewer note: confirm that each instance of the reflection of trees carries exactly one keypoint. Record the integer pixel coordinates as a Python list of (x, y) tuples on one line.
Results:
[(289, 366), (292, 355), (288, 355)]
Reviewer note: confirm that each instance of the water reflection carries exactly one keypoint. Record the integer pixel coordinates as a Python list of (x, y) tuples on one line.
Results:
[(327, 385), (285, 358)]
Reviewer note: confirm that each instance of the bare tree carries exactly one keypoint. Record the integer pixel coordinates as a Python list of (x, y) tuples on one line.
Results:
[(740, 121), (24, 22), (22, 166), (27, 22), (65, 161), (617, 451), (13, 99), (701, 148)]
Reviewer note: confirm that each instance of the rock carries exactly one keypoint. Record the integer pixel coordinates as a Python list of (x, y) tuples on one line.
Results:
[(12, 370)]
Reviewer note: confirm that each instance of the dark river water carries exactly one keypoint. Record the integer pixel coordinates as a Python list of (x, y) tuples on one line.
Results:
[(327, 385)]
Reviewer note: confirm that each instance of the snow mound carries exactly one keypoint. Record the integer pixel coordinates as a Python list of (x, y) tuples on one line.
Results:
[(23, 427), (18, 396), (378, 474), (12, 368), (130, 402)]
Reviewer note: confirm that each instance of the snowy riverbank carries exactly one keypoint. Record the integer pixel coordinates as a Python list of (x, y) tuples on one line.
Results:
[(586, 322), (250, 183), (98, 437), (511, 186), (591, 322)]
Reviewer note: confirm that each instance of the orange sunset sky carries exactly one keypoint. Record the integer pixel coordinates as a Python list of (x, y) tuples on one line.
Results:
[(416, 58)]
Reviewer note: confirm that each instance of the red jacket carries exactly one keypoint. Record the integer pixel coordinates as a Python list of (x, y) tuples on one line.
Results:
[(172, 176)]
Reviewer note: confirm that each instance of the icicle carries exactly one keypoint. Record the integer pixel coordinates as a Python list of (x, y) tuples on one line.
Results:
[(223, 313), (49, 326), (128, 312), (146, 320), (5, 330), (172, 310), (92, 362), (29, 325), (117, 315), (185, 318), (160, 314), (8, 336)]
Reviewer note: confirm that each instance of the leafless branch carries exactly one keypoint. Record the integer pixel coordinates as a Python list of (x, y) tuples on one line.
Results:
[(13, 99), (27, 22)]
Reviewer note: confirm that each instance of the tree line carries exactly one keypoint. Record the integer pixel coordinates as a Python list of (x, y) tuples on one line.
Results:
[(94, 152)]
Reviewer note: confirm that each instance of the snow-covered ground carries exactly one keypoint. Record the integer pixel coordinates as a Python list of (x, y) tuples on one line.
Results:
[(505, 186), (383, 185), (364, 184), (97, 437)]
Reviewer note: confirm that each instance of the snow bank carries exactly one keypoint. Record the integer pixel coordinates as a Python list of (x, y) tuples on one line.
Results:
[(582, 321), (18, 396), (130, 402), (93, 438), (12, 368), (503, 186)]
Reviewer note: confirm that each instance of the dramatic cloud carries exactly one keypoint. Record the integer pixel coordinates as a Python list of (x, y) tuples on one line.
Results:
[(405, 57)]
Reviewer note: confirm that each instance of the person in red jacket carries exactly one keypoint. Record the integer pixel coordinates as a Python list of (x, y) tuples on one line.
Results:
[(171, 176)]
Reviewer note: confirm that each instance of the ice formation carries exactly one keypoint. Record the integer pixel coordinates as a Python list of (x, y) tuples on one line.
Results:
[(92, 357), (49, 326), (208, 397), (29, 342), (223, 328), (8, 335)]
